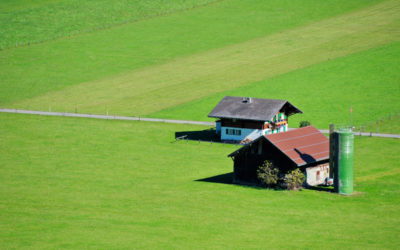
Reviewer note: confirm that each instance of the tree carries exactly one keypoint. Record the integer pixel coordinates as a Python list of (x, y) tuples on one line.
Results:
[(304, 124), (293, 180), (267, 174)]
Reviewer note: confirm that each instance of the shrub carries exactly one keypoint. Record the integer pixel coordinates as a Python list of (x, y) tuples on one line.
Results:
[(293, 180), (304, 124), (267, 174)]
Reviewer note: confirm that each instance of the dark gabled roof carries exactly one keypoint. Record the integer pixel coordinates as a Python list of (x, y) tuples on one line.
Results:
[(251, 108), (302, 146)]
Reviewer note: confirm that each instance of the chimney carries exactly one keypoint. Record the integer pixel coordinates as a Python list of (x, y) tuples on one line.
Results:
[(246, 100)]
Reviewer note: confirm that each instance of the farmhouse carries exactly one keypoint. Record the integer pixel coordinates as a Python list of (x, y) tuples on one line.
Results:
[(242, 118), (305, 148)]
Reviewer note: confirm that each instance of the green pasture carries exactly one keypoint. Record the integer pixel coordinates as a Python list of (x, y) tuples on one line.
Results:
[(81, 183), (322, 66), (221, 37), (84, 183), (369, 81), (26, 22)]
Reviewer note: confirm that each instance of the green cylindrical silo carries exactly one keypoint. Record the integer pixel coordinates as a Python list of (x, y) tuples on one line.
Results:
[(343, 164)]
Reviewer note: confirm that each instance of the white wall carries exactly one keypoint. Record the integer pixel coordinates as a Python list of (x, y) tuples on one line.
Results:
[(245, 132), (313, 179)]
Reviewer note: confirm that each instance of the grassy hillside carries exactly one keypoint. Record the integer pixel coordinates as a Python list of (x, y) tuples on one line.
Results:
[(109, 55), (79, 183), (333, 85), (369, 81), (25, 22)]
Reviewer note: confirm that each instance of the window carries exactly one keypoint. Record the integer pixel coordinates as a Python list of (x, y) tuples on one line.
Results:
[(230, 131)]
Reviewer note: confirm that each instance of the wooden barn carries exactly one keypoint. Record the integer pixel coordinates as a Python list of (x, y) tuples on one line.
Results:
[(305, 148), (245, 119)]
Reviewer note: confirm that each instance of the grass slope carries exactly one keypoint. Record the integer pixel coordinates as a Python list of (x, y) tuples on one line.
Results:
[(80, 183), (369, 81), (151, 89), (24, 22), (38, 69)]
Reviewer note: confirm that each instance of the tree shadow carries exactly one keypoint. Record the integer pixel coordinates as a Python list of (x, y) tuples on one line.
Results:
[(201, 135), (305, 157), (222, 178)]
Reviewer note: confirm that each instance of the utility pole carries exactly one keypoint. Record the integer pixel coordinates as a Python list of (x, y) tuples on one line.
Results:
[(351, 116)]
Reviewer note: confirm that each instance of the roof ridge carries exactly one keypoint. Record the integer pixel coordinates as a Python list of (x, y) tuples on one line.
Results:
[(296, 137), (256, 98)]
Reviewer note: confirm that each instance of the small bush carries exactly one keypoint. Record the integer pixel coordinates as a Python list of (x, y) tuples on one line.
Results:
[(292, 180), (304, 124), (267, 174)]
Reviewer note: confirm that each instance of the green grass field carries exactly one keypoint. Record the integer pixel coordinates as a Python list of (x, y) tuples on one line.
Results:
[(25, 22), (82, 183), (147, 70), (96, 56), (369, 81), (79, 183)]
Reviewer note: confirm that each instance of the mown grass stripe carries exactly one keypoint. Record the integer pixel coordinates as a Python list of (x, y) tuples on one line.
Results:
[(150, 89), (32, 71), (377, 175)]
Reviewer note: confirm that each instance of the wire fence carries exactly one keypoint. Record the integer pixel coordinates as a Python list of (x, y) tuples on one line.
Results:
[(87, 30), (362, 130), (381, 125)]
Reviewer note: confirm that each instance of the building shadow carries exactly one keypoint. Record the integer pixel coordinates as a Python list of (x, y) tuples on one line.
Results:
[(201, 135), (328, 189), (222, 178), (305, 157), (227, 178)]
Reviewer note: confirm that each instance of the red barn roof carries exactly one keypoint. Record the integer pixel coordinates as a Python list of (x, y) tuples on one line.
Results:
[(303, 146)]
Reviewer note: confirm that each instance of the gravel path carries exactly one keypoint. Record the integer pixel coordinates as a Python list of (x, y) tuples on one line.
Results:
[(105, 117)]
